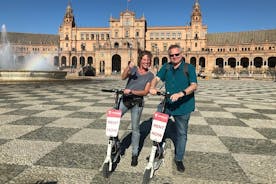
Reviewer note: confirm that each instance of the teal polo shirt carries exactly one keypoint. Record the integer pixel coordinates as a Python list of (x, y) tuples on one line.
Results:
[(176, 81)]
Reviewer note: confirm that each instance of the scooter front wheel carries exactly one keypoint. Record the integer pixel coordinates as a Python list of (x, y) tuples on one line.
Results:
[(106, 170), (146, 177)]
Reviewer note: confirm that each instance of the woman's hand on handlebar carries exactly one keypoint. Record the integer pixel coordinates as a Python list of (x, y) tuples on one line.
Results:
[(153, 91), (127, 91)]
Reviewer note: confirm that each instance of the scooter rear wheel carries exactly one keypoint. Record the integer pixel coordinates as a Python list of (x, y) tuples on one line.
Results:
[(146, 177), (106, 170)]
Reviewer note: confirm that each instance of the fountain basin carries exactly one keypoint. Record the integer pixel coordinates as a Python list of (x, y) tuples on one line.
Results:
[(25, 75)]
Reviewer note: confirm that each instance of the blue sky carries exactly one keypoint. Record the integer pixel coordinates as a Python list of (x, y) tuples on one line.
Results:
[(45, 16)]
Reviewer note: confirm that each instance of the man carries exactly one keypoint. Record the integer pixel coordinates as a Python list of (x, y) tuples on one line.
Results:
[(181, 86)]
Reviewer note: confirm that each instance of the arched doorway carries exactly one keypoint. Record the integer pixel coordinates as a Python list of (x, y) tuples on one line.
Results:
[(90, 60), (116, 45), (102, 67), (82, 61), (74, 61), (116, 64), (244, 62), (56, 61), (193, 61), (156, 63), (164, 60), (272, 62), (63, 61), (258, 62), (232, 62), (219, 62), (202, 62)]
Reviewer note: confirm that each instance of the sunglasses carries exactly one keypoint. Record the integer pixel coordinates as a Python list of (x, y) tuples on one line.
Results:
[(176, 55)]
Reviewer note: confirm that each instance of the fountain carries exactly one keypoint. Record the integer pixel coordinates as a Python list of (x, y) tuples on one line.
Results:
[(34, 67)]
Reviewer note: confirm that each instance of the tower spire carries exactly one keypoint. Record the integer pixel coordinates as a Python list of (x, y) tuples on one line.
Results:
[(69, 16), (196, 17)]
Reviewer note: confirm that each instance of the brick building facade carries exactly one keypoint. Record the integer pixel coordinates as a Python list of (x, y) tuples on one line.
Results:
[(109, 49)]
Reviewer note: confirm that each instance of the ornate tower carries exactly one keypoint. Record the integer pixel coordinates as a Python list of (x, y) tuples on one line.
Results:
[(197, 29), (68, 36), (196, 17), (69, 18)]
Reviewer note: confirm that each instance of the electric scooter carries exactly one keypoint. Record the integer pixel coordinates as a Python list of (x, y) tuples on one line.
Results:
[(158, 128), (113, 155)]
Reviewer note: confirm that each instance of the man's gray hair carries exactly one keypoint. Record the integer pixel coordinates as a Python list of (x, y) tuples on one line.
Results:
[(173, 47)]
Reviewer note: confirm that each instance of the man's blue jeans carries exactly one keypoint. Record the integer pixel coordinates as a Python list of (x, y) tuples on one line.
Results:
[(181, 123), (136, 113)]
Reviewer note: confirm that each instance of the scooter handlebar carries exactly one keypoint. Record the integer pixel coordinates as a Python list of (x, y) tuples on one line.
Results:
[(113, 90), (162, 94)]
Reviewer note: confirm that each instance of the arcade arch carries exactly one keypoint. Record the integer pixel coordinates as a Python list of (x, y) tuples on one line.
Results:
[(193, 61), (156, 62), (244, 62), (202, 62), (82, 61), (232, 62), (63, 61), (116, 64), (258, 62), (102, 67), (271, 62), (74, 61), (219, 62), (164, 60), (90, 60)]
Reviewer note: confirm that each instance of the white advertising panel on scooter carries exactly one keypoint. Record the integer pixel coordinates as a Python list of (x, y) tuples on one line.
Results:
[(158, 126), (113, 122)]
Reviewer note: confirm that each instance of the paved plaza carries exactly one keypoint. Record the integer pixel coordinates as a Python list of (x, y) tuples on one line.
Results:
[(56, 132)]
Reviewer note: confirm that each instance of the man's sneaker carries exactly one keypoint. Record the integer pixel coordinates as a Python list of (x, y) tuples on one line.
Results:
[(134, 160), (179, 165)]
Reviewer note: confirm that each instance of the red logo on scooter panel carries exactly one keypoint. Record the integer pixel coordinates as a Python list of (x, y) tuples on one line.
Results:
[(161, 117), (114, 113)]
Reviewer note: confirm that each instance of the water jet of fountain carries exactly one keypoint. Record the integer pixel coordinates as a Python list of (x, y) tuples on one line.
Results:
[(33, 66), (7, 57)]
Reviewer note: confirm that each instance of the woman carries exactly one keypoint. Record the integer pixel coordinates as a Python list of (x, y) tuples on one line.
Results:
[(138, 85)]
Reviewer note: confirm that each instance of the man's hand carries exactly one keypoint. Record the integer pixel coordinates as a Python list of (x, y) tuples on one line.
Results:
[(176, 96)]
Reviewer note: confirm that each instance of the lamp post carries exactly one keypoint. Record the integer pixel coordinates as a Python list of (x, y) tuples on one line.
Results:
[(81, 58), (156, 59), (130, 51), (274, 73), (82, 49), (58, 61)]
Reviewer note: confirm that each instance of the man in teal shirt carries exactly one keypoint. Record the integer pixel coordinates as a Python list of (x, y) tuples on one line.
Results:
[(181, 85)]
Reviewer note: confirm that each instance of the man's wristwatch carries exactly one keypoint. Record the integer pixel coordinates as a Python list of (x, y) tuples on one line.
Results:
[(184, 92)]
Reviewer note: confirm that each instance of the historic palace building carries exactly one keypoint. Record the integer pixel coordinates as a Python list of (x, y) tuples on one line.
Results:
[(108, 49)]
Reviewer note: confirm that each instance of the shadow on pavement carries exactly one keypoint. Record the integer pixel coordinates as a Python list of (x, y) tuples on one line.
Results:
[(145, 128)]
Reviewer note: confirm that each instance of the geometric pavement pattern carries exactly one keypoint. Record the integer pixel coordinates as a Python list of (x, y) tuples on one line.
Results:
[(55, 131)]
